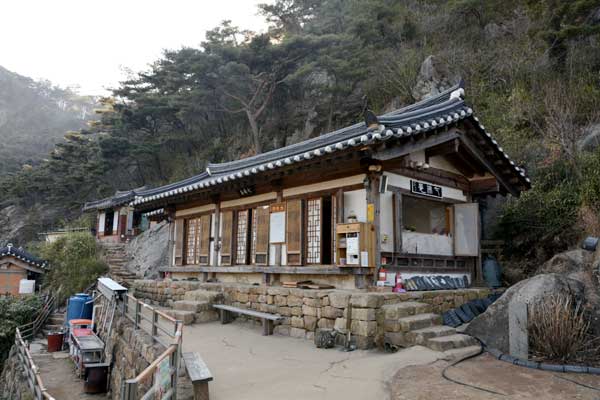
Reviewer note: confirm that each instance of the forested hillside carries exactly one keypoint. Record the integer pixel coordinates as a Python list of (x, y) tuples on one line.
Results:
[(531, 70), (34, 116)]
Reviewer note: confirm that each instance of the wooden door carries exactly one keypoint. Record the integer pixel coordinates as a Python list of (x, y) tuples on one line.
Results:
[(314, 216), (179, 225), (203, 252), (293, 232), (262, 235), (227, 238)]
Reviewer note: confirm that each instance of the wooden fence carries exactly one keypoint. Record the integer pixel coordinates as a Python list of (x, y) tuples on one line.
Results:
[(34, 381), (164, 370)]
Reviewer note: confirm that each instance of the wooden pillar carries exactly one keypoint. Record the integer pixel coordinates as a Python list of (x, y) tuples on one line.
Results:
[(217, 238), (398, 223), (339, 204), (373, 216), (171, 219), (278, 245)]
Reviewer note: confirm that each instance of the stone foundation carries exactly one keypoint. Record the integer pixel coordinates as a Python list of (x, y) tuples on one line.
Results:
[(306, 310)]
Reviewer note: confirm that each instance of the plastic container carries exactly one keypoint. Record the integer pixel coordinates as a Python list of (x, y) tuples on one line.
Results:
[(55, 341), (492, 273), (80, 307)]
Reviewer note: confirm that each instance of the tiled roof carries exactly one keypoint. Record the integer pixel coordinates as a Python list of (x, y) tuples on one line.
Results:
[(447, 108), (119, 198), (22, 255)]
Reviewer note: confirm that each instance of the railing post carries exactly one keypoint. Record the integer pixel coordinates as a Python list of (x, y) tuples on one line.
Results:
[(138, 307), (154, 323), (130, 392)]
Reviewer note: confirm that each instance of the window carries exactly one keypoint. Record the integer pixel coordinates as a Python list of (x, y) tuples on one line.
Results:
[(242, 237), (319, 230), (253, 239), (425, 216), (191, 241)]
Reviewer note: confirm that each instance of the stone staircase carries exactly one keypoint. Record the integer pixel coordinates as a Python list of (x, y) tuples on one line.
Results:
[(116, 257), (55, 322), (196, 307), (411, 323)]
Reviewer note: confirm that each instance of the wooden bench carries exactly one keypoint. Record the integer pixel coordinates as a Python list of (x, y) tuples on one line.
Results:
[(267, 319), (198, 373)]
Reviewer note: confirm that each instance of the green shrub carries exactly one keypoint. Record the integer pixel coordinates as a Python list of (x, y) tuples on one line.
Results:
[(14, 311), (74, 263)]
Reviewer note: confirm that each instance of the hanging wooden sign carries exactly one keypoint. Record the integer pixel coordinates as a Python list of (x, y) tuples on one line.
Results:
[(425, 189)]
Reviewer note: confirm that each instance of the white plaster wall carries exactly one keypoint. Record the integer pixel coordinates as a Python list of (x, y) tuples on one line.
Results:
[(404, 183), (335, 183), (101, 222), (212, 242), (356, 202), (424, 243), (272, 254), (115, 222), (386, 221)]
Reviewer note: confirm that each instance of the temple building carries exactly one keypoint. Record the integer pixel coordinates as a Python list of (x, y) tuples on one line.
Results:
[(398, 191), (20, 272)]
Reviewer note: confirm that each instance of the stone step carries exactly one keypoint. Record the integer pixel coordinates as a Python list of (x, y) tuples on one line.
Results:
[(190, 305), (419, 321), (187, 317), (450, 342), (404, 309), (463, 352), (420, 336)]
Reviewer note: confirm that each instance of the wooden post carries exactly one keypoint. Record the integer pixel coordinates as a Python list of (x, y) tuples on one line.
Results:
[(373, 198), (217, 238), (398, 223), (138, 307), (154, 323), (339, 204), (171, 242), (278, 245)]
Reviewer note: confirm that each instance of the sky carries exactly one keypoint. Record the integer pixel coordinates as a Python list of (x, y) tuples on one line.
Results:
[(91, 44)]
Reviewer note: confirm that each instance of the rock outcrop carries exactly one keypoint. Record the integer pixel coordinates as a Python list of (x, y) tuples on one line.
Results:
[(149, 251), (434, 77), (492, 326)]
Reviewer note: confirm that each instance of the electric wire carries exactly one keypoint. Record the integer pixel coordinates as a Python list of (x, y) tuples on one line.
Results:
[(444, 372)]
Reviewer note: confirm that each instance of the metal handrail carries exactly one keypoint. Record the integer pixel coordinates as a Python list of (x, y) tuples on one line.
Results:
[(34, 380), (157, 316), (31, 329)]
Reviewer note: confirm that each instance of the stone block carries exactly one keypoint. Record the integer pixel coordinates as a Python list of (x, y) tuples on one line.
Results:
[(297, 322), (294, 301), (366, 300), (206, 316), (325, 301), (242, 297), (310, 336), (362, 314), (297, 333), (285, 311), (364, 342), (391, 325), (190, 305), (331, 312), (270, 299), (280, 300), (312, 302), (340, 324), (326, 323), (262, 298), (395, 338), (253, 298), (364, 328), (296, 311), (339, 299), (310, 323), (308, 310), (278, 291)]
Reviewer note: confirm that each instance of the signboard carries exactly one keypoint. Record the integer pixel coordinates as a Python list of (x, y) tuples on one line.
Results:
[(277, 223), (162, 378), (370, 212), (425, 189)]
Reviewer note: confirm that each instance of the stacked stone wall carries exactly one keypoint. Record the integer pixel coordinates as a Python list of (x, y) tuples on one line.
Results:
[(306, 310)]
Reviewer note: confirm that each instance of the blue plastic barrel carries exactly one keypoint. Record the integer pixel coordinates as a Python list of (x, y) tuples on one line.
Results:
[(80, 307)]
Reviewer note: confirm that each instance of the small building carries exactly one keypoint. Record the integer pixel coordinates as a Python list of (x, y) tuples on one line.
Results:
[(398, 191), (16, 265), (115, 220)]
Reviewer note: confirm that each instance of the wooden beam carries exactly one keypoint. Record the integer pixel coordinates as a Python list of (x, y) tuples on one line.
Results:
[(485, 186), (466, 142), (403, 149), (442, 149), (434, 175)]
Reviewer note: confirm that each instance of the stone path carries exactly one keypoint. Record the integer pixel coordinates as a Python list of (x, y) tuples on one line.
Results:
[(246, 365)]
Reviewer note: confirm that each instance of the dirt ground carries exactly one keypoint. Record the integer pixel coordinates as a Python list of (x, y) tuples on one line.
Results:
[(426, 382), (247, 365)]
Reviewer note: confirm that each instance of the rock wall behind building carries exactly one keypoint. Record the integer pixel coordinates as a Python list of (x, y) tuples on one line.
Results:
[(13, 381)]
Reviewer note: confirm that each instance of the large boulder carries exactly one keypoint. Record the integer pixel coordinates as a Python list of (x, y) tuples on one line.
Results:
[(492, 326)]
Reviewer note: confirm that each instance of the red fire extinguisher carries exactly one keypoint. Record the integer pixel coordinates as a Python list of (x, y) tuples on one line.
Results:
[(399, 284)]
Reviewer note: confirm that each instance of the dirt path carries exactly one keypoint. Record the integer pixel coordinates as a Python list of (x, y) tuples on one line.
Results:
[(57, 373), (426, 382), (247, 366)]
